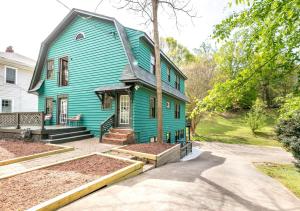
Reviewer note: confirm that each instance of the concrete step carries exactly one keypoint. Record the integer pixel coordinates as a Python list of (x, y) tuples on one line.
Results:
[(69, 139), (116, 135), (148, 167), (70, 134), (121, 130), (117, 141)]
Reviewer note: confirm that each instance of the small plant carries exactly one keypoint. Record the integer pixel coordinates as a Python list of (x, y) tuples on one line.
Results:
[(288, 133), (256, 116)]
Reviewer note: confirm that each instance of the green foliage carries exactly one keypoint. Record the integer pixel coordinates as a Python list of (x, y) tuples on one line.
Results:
[(260, 54), (288, 132), (231, 128), (290, 106), (256, 116)]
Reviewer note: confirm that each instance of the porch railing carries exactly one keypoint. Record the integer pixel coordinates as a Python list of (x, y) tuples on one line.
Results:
[(19, 119), (106, 125)]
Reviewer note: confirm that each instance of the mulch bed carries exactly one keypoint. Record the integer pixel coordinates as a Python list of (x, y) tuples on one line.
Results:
[(149, 148), (26, 190), (13, 149)]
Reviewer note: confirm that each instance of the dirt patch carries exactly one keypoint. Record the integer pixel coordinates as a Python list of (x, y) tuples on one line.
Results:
[(29, 189), (150, 148), (13, 149)]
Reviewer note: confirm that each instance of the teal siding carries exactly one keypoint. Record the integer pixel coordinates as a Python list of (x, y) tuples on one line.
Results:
[(95, 61), (146, 127)]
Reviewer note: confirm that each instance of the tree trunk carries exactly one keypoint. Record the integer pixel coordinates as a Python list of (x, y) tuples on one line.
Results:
[(157, 72)]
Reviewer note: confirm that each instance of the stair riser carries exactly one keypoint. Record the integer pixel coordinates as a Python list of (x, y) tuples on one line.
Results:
[(65, 130), (71, 139), (122, 131), (57, 136), (116, 135)]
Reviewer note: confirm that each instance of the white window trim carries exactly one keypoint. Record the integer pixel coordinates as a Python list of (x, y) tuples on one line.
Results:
[(152, 62), (12, 103), (5, 67)]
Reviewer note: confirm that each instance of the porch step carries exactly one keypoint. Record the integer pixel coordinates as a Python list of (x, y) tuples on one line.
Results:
[(121, 130), (65, 130), (117, 141), (117, 135), (71, 138), (68, 134)]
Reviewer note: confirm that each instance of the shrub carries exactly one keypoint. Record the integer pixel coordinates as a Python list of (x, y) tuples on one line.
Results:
[(288, 132), (256, 116)]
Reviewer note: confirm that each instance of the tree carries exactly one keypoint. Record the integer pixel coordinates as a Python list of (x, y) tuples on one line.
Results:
[(256, 116), (149, 10), (267, 38)]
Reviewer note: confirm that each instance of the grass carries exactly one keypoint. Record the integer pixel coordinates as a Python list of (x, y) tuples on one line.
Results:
[(287, 174), (232, 129)]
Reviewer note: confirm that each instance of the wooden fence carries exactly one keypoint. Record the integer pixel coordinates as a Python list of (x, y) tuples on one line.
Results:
[(19, 119)]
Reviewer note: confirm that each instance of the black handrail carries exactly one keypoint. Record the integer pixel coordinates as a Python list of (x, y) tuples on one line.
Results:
[(106, 125)]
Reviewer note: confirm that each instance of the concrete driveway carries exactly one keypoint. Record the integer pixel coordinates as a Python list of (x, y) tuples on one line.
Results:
[(221, 178)]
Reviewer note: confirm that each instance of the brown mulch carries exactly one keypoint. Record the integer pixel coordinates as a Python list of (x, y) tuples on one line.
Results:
[(12, 149), (150, 148), (26, 190)]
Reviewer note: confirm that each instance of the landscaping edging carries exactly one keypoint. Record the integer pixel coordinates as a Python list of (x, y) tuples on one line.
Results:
[(42, 154), (168, 156), (63, 199)]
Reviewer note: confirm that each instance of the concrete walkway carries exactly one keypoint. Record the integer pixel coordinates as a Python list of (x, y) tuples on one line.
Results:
[(82, 147), (221, 178)]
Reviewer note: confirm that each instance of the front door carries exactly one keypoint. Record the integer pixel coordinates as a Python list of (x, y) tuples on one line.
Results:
[(123, 110), (63, 110)]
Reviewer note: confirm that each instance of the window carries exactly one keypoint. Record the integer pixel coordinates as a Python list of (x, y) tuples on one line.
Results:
[(169, 73), (63, 71), (177, 111), (50, 68), (176, 136), (177, 82), (106, 101), (6, 106), (168, 104), (10, 75), (80, 36), (153, 139), (182, 134), (152, 65), (49, 105), (152, 107), (168, 138)]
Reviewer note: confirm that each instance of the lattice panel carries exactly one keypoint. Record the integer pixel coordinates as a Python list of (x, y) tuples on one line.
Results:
[(31, 119), (8, 119)]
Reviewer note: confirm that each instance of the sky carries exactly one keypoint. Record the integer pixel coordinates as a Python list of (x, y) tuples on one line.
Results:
[(26, 23)]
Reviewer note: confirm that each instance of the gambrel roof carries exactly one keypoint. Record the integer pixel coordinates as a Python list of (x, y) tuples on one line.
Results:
[(132, 72)]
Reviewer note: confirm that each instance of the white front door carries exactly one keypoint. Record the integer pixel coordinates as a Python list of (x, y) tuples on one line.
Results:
[(124, 110), (63, 111)]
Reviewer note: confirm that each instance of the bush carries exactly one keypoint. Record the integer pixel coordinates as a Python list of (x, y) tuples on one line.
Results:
[(256, 116), (288, 132), (291, 105)]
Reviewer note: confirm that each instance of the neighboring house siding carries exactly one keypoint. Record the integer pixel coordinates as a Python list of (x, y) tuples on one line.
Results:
[(146, 127), (22, 101), (97, 60)]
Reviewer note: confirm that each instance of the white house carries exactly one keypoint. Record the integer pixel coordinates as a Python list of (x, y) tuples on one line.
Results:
[(15, 76)]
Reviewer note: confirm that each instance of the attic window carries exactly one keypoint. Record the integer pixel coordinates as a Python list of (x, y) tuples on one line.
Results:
[(80, 36)]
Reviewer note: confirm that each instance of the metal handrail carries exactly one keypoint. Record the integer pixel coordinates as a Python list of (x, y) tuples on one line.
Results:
[(106, 125)]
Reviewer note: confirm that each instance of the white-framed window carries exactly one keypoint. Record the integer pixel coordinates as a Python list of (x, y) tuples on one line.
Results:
[(10, 75), (168, 105), (80, 36), (152, 64), (153, 139), (6, 106)]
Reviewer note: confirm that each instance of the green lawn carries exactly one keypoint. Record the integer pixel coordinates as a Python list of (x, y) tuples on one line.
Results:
[(232, 129), (288, 175)]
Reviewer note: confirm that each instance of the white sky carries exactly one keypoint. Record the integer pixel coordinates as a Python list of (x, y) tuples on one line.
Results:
[(26, 23)]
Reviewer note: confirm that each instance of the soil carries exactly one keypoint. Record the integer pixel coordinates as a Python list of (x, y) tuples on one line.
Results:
[(26, 190), (12, 149), (150, 148)]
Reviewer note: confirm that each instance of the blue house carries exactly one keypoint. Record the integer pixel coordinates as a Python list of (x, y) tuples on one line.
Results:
[(93, 68)]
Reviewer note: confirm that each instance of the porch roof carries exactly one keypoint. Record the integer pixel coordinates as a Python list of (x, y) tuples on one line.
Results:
[(113, 87)]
